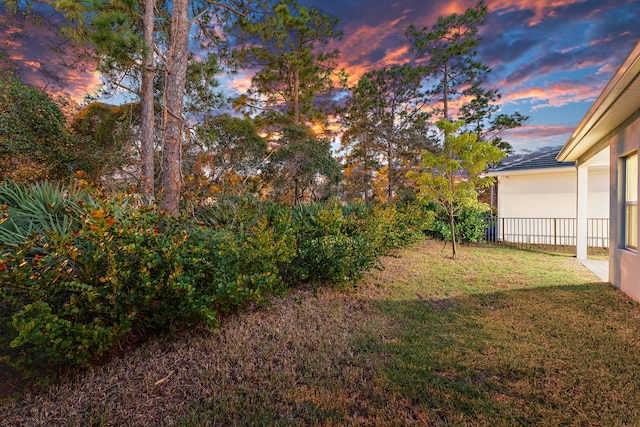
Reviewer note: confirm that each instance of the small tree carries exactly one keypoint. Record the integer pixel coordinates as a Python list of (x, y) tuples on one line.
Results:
[(451, 178)]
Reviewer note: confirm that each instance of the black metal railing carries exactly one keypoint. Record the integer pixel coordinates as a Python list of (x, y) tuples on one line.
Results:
[(547, 233)]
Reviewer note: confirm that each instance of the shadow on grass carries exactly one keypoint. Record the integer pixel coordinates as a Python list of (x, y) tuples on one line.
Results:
[(557, 355)]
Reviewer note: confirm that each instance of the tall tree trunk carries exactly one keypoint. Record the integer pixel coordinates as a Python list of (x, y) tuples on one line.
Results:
[(174, 96), (445, 93), (147, 119), (296, 97), (445, 102), (390, 170), (365, 169), (296, 120), (365, 176), (450, 211)]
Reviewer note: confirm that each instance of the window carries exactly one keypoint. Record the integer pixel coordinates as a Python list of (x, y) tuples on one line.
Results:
[(631, 201)]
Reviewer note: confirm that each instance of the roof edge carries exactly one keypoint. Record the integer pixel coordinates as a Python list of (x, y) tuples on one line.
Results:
[(541, 171), (616, 86)]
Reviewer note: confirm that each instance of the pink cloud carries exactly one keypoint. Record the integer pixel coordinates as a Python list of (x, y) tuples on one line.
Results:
[(531, 137), (360, 41), (29, 47), (387, 38), (558, 94), (535, 132), (607, 69), (541, 8), (33, 65), (239, 82)]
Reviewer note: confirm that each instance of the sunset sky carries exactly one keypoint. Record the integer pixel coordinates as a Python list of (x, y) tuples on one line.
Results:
[(550, 58)]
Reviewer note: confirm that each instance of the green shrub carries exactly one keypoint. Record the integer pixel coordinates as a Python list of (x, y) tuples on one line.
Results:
[(324, 245), (89, 280), (244, 266), (70, 294), (404, 224), (338, 244), (84, 270), (228, 212), (470, 226)]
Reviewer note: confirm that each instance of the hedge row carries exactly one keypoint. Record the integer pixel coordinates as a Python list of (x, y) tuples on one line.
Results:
[(80, 271)]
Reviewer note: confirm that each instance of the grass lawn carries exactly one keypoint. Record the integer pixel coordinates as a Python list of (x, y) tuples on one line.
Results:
[(496, 337)]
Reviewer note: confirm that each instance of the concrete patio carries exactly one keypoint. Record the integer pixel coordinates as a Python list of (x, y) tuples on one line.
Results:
[(599, 267)]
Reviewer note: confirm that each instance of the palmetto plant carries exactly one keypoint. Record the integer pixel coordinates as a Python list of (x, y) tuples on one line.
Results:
[(307, 213), (40, 208)]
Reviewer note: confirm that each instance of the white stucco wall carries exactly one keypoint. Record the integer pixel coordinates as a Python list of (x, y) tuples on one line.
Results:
[(599, 186), (624, 264), (551, 194)]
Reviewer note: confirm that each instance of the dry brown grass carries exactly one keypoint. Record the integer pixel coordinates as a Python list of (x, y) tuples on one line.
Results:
[(309, 358), (294, 357)]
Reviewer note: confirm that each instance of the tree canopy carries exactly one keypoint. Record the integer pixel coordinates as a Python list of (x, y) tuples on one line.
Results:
[(178, 139), (457, 80), (385, 117), (302, 168), (108, 134), (34, 142), (285, 46), (231, 156)]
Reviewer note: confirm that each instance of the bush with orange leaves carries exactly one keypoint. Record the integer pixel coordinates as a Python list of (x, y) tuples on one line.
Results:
[(69, 296)]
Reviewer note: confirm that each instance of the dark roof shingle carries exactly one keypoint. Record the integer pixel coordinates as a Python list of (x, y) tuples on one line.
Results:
[(539, 161)]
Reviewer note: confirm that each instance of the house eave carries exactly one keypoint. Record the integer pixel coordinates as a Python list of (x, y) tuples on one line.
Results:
[(619, 100), (540, 171)]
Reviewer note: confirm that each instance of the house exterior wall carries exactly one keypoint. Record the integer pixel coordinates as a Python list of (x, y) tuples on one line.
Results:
[(598, 193), (551, 195), (624, 264), (548, 200)]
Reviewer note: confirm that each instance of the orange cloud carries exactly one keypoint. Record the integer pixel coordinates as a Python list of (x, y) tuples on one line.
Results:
[(82, 84), (33, 65), (362, 40), (397, 56)]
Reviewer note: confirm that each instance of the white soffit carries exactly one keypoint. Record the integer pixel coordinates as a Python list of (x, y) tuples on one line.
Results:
[(617, 102)]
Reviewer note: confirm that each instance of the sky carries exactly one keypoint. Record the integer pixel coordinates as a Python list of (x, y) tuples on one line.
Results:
[(550, 59)]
